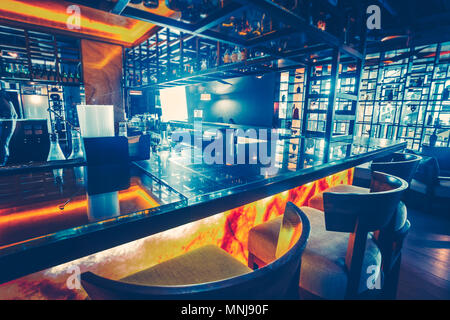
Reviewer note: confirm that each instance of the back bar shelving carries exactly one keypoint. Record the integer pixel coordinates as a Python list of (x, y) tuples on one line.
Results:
[(331, 98), (31, 56), (36, 62), (288, 105), (404, 97)]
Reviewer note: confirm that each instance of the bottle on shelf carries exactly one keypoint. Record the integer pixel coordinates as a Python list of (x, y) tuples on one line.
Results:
[(14, 70), (203, 65), (64, 75), (234, 55), (56, 74), (434, 137), (8, 70), (50, 74), (71, 76), (213, 60), (43, 72), (242, 55), (226, 57)]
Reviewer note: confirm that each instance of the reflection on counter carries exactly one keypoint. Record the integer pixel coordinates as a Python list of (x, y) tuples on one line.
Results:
[(41, 203)]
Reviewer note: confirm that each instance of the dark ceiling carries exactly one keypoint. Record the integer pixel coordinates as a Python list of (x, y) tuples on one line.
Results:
[(399, 17)]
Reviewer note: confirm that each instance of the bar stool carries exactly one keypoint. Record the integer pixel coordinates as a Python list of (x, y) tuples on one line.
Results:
[(211, 273), (432, 179), (390, 238), (402, 165), (341, 259)]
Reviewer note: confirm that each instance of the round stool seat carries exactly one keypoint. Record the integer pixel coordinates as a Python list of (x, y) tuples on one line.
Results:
[(317, 201), (323, 270), (206, 264)]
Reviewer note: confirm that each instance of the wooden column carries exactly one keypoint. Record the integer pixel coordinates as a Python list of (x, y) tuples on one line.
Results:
[(102, 73)]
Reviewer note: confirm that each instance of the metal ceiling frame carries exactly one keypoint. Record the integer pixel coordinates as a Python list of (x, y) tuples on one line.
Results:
[(202, 28), (319, 43), (186, 27), (120, 6)]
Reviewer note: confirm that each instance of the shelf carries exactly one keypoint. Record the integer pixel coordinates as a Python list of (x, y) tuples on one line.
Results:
[(38, 51), (370, 109)]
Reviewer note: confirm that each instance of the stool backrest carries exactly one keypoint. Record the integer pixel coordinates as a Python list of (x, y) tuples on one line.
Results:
[(290, 230), (441, 154), (272, 281), (371, 211), (402, 165)]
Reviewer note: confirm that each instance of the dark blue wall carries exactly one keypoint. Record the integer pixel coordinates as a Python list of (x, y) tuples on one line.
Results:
[(247, 100)]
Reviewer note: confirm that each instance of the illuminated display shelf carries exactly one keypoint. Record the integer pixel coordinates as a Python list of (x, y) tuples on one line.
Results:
[(402, 95), (288, 105), (289, 93), (31, 56), (172, 58), (331, 96)]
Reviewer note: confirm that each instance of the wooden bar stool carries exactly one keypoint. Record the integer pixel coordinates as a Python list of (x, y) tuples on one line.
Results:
[(341, 259), (390, 238), (432, 179), (211, 273)]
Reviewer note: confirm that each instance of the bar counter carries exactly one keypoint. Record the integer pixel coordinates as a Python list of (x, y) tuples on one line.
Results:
[(45, 220)]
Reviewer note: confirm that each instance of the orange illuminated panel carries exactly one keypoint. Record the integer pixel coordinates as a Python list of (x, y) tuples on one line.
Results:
[(22, 224), (228, 230), (95, 23)]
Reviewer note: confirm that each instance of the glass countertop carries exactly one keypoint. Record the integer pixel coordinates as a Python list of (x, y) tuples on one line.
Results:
[(186, 172)]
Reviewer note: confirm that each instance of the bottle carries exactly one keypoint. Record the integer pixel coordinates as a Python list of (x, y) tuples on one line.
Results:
[(71, 76), (50, 73), (43, 72), (245, 54), (433, 137), (55, 152), (234, 55), (65, 76), (226, 57), (203, 65), (10, 70), (213, 59), (123, 128), (77, 146), (164, 145)]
